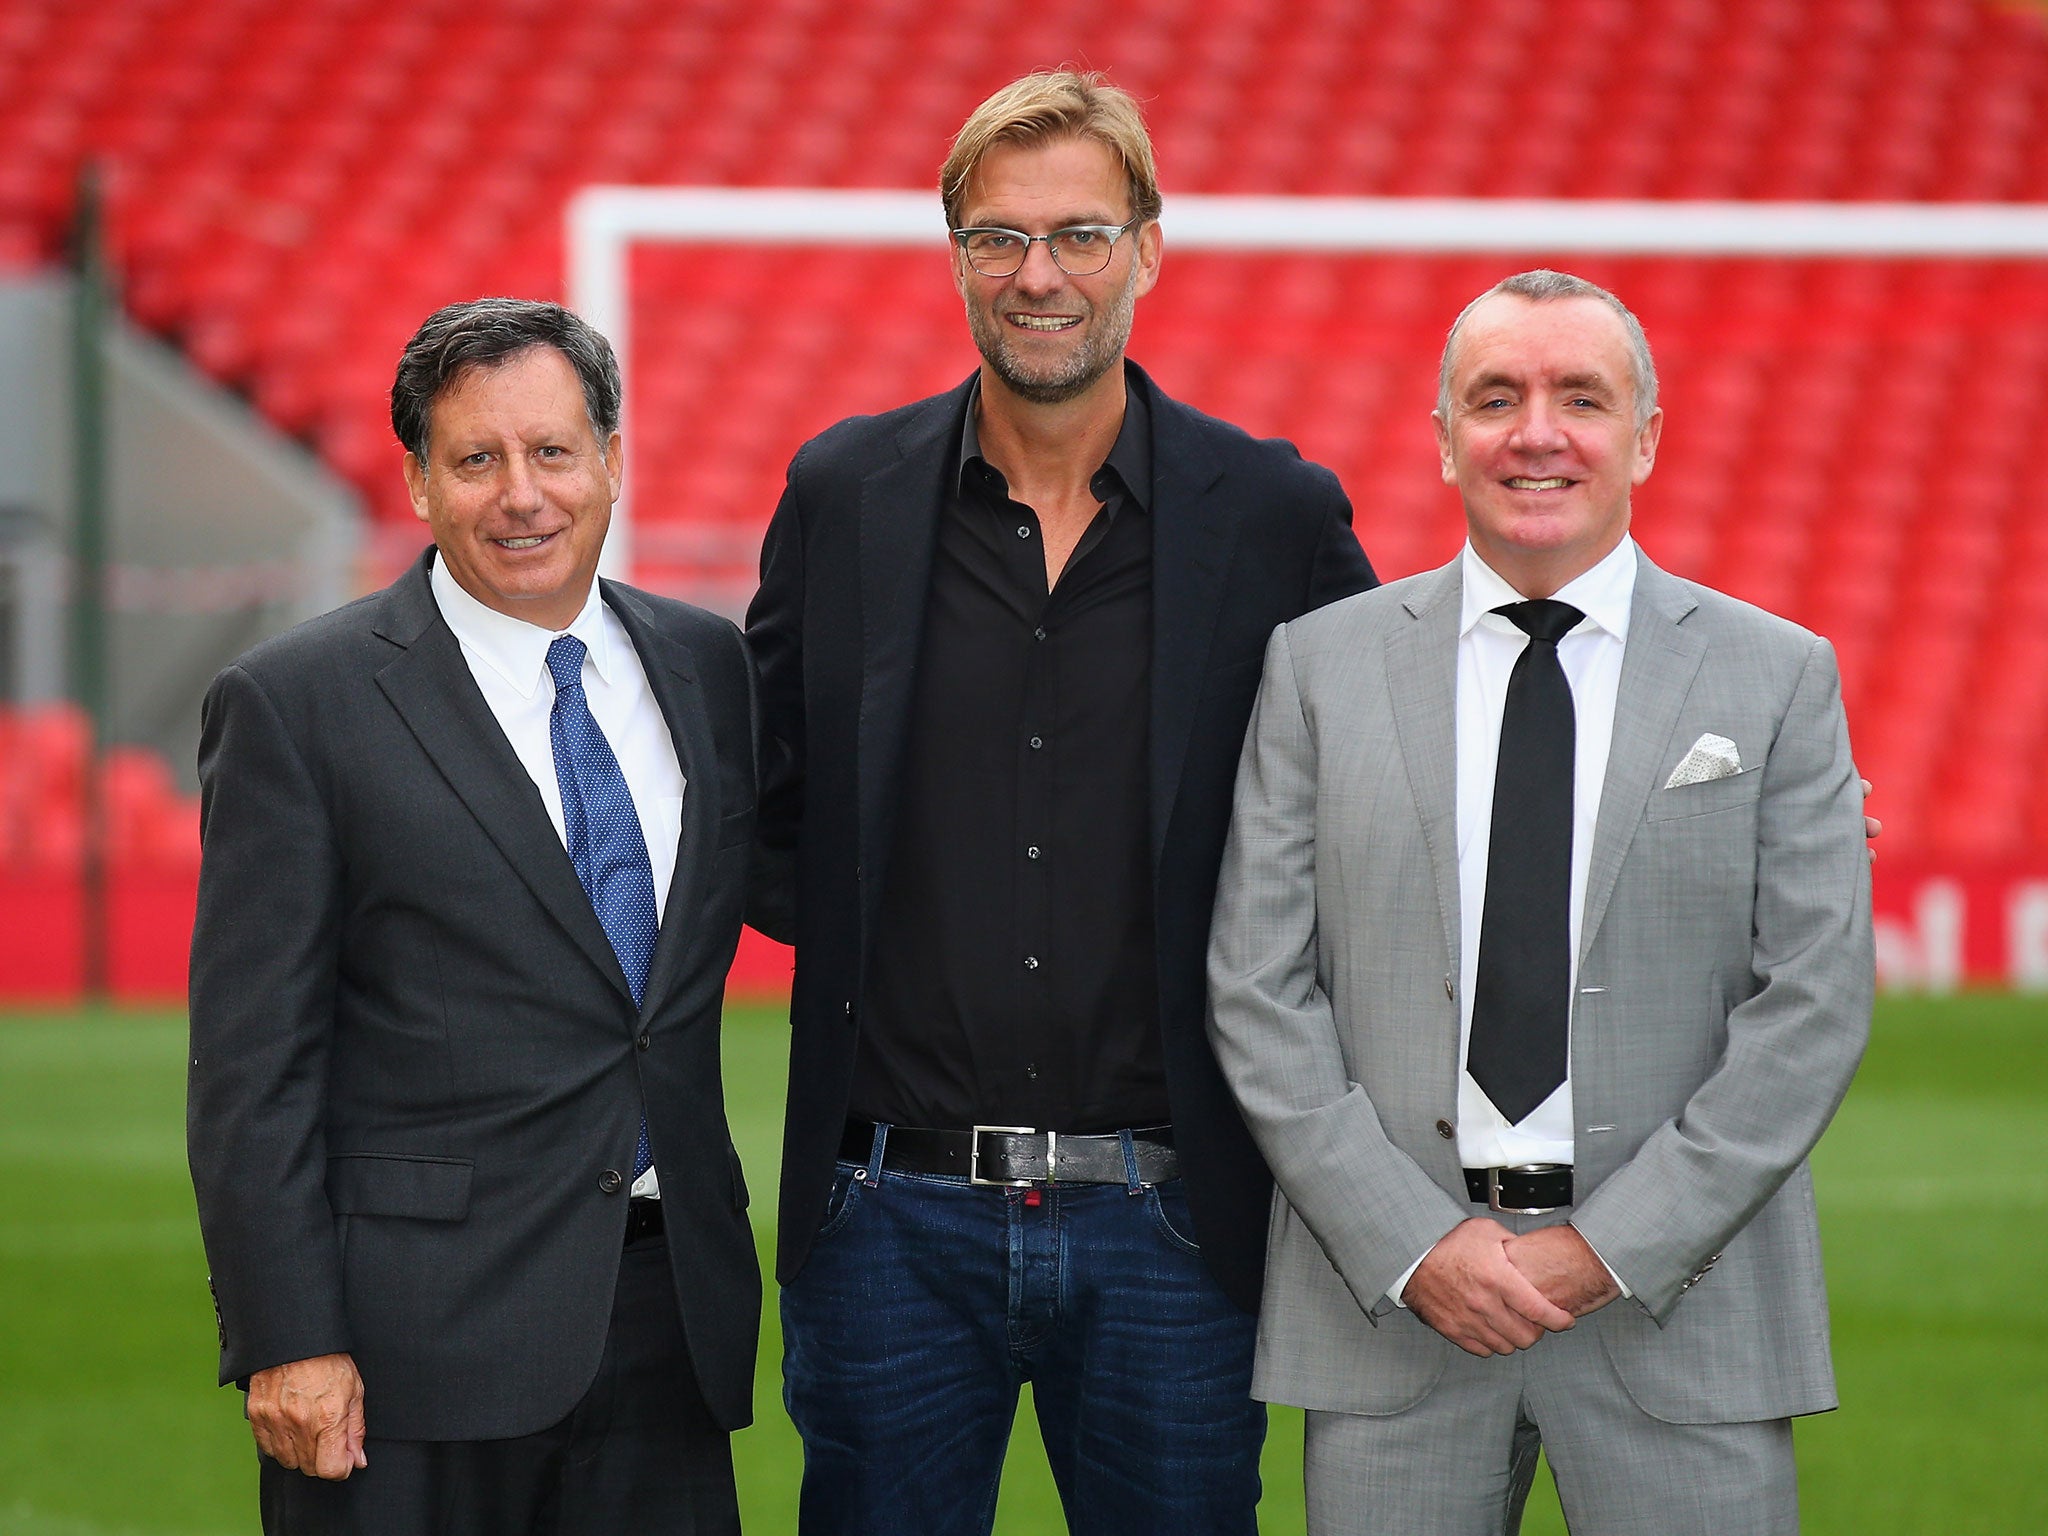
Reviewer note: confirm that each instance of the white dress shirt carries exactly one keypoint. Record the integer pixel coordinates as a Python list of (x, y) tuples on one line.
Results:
[(1591, 655), (508, 657)]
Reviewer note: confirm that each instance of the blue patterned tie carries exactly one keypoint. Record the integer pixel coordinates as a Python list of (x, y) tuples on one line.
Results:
[(605, 841)]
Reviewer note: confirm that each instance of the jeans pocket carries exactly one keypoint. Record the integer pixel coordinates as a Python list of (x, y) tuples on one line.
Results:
[(1168, 1206), (847, 1184)]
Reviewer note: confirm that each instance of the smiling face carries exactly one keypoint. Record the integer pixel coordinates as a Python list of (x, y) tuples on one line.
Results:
[(1541, 440), (1044, 335), (516, 486)]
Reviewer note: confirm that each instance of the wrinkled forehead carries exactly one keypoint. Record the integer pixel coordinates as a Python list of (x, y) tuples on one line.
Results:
[(1573, 340), (1068, 180)]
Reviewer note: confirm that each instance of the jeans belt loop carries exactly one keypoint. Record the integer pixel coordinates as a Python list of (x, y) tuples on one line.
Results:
[(1129, 1143), (872, 1174)]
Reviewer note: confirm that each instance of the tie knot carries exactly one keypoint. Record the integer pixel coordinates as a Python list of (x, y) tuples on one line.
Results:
[(1542, 618), (565, 662)]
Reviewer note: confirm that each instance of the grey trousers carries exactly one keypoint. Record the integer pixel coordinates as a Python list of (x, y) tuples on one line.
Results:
[(1459, 1463)]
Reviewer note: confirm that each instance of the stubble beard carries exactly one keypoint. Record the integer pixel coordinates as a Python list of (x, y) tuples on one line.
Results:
[(1101, 349)]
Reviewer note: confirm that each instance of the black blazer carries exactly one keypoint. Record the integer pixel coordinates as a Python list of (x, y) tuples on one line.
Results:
[(414, 1082), (1246, 535)]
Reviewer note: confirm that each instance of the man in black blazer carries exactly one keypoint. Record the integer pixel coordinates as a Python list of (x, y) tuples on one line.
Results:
[(1008, 641), (475, 850)]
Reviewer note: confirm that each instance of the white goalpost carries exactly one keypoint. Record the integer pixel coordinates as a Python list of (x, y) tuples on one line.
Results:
[(605, 222)]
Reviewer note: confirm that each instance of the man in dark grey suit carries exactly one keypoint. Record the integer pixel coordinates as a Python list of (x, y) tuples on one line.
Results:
[(1542, 958), (474, 855)]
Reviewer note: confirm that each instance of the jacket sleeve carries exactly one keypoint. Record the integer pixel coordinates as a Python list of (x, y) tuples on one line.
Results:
[(265, 947), (1792, 1045), (775, 638), (1341, 568), (1368, 1203)]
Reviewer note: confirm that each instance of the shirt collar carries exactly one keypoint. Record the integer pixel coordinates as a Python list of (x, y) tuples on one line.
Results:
[(1605, 594), (1129, 461), (514, 649)]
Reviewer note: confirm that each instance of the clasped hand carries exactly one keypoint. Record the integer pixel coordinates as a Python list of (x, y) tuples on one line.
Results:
[(1491, 1292)]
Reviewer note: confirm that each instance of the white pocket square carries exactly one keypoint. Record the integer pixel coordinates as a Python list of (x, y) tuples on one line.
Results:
[(1711, 757)]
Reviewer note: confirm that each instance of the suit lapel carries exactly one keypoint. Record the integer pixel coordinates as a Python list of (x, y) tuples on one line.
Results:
[(1194, 534), (1422, 679), (430, 685), (671, 676), (1657, 671), (899, 519)]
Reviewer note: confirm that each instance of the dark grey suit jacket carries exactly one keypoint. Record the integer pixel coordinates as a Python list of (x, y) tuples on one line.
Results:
[(417, 1071), (1246, 535)]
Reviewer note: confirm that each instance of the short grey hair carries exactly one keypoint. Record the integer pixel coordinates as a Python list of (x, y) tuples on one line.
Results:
[(1540, 287), (458, 339)]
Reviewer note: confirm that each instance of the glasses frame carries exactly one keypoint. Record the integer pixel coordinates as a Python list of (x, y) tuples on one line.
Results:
[(1115, 232)]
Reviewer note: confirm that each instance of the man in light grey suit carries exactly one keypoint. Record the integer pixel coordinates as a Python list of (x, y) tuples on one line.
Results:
[(1542, 958)]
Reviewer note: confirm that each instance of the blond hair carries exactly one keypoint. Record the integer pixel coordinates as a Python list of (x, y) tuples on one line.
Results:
[(1045, 108)]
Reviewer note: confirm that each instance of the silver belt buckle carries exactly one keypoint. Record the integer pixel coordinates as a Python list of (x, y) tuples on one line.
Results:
[(1493, 1188), (974, 1155)]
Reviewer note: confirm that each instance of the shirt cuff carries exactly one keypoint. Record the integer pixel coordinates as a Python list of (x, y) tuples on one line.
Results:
[(1619, 1283), (1394, 1291)]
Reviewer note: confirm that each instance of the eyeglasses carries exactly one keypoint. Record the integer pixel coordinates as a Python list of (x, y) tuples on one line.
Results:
[(1079, 250)]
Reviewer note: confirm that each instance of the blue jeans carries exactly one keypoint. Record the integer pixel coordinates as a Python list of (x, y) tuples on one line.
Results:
[(927, 1301)]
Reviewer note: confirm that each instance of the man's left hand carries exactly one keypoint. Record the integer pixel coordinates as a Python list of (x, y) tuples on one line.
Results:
[(1563, 1266)]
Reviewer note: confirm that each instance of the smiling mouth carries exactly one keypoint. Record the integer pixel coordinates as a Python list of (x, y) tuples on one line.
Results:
[(1524, 483), (527, 541), (1044, 322)]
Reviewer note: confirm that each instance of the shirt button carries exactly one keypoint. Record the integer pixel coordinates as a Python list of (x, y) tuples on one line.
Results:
[(1038, 634), (1443, 1129), (1031, 962), (1037, 742), (1031, 1072), (1031, 852), (610, 1181), (644, 1041), (1024, 531)]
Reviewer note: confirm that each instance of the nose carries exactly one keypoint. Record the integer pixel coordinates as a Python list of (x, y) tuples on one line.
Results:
[(1540, 428), (521, 486), (1040, 273)]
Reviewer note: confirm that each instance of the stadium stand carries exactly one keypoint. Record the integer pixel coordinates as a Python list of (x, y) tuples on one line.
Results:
[(293, 187)]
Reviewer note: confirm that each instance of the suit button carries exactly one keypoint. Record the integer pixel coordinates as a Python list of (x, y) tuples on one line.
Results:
[(611, 1181), (644, 1041), (1443, 1129)]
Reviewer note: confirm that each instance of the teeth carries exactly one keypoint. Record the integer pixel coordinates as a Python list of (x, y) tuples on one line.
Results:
[(525, 543), (1522, 483), (1045, 322)]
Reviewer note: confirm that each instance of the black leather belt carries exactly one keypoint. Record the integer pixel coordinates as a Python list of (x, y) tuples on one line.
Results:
[(1527, 1190), (643, 1219), (1015, 1156)]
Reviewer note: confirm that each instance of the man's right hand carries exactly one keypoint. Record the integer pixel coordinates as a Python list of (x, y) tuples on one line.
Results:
[(308, 1415), (1468, 1291)]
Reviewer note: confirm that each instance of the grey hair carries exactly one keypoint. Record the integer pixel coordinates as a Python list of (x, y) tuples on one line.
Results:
[(458, 339), (1540, 287)]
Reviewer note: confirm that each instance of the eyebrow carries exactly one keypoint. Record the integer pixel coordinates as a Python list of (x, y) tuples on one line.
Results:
[(1488, 381), (1065, 222)]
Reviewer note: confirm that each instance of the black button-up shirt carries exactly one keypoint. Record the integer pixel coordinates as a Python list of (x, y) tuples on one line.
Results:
[(1012, 980)]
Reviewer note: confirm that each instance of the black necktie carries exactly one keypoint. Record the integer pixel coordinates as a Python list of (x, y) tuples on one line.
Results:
[(1521, 1004)]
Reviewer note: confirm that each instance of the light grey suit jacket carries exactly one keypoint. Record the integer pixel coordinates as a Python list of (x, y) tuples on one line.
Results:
[(1724, 991)]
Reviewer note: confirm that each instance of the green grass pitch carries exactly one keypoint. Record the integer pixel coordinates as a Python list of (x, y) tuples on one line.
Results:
[(1933, 1190)]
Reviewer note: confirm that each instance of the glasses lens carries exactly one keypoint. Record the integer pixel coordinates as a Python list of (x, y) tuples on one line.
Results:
[(994, 252), (1084, 251)]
